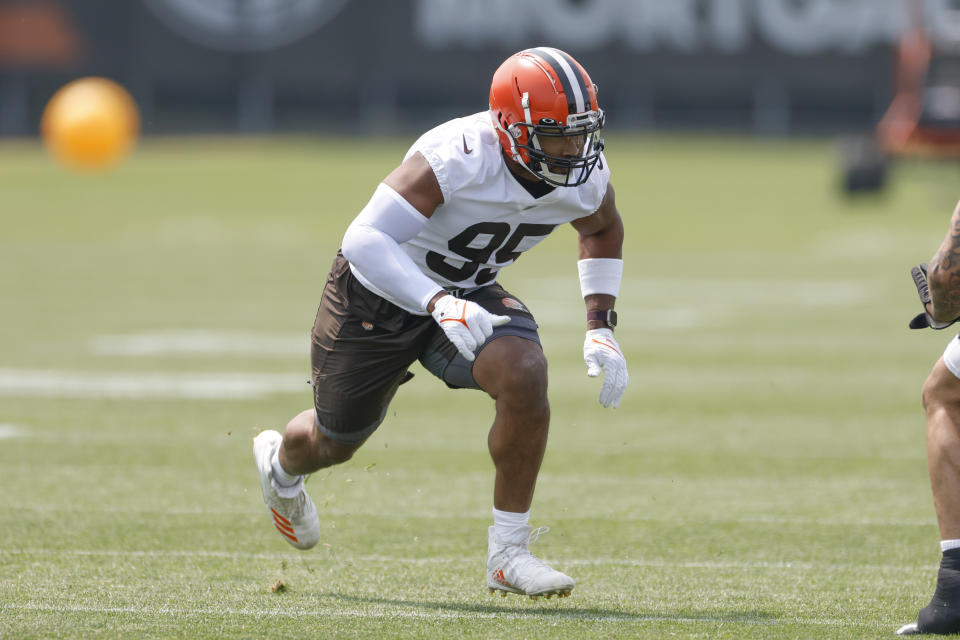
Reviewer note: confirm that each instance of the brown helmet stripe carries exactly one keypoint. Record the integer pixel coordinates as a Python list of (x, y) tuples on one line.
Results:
[(571, 79)]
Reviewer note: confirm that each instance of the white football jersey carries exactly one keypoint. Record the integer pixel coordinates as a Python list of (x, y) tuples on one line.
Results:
[(487, 218)]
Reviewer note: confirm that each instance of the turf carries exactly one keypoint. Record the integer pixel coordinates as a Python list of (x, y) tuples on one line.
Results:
[(764, 477)]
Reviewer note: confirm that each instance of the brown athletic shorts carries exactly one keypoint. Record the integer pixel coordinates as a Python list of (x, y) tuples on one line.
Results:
[(363, 346)]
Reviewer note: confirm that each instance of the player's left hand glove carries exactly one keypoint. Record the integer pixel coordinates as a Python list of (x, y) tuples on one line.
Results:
[(924, 320), (602, 354)]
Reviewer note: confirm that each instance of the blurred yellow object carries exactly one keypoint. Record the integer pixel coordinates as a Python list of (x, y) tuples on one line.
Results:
[(90, 124)]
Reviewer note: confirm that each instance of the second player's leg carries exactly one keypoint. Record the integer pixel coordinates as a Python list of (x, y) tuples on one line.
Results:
[(941, 401)]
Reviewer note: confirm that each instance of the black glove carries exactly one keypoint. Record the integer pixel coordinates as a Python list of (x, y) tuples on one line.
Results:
[(924, 320)]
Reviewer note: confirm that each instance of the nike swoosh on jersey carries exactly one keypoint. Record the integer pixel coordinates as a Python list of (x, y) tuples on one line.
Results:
[(466, 149)]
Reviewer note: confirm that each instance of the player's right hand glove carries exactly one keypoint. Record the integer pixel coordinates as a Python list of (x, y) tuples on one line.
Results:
[(924, 320), (466, 323), (601, 353)]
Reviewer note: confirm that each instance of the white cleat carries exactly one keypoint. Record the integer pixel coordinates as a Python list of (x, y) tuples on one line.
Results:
[(293, 512), (511, 568)]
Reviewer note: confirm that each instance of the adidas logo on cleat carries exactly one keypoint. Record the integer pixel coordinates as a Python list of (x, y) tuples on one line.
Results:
[(283, 525), (528, 575), (498, 577), (294, 515)]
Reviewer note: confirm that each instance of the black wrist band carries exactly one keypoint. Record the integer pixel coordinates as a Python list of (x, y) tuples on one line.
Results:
[(606, 316)]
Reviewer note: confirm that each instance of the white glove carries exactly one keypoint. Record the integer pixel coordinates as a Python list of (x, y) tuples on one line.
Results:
[(601, 353), (466, 323)]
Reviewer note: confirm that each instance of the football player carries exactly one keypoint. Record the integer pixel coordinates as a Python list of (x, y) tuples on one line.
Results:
[(416, 279), (939, 289)]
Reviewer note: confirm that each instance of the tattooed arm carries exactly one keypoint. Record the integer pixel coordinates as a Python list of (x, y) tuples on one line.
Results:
[(944, 274)]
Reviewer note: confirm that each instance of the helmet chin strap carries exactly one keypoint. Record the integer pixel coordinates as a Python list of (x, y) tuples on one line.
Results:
[(525, 103), (514, 151), (511, 130)]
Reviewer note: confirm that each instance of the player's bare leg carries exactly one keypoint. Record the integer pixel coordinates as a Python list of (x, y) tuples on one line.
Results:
[(306, 449), (513, 371), (282, 461), (941, 401)]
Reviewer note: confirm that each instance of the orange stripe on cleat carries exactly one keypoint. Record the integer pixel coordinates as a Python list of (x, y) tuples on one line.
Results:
[(279, 517), (292, 537), (499, 577), (280, 525)]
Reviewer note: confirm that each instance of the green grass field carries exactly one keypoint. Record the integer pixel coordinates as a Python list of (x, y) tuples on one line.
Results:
[(764, 477)]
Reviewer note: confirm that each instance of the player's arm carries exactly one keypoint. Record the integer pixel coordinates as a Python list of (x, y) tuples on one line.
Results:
[(939, 283), (943, 275), (600, 241), (397, 213), (600, 265), (415, 181)]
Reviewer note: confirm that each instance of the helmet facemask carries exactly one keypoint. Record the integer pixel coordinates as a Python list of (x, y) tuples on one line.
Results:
[(560, 171), (544, 107)]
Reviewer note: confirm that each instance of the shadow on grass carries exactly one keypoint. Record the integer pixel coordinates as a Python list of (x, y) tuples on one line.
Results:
[(559, 610)]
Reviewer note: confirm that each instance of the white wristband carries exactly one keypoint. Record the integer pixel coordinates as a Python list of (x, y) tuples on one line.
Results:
[(600, 275)]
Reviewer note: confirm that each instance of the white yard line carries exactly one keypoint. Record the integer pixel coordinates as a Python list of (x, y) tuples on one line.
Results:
[(378, 559), (11, 431), (87, 384), (415, 610), (432, 514), (722, 301), (189, 342)]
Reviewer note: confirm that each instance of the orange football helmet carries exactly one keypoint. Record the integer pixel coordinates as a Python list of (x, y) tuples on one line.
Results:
[(540, 93)]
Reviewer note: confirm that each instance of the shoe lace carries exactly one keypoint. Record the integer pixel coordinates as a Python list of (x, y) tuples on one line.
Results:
[(536, 533), (300, 504), (523, 561), (295, 506)]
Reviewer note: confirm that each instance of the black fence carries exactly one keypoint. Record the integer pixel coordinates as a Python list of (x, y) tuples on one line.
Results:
[(361, 66)]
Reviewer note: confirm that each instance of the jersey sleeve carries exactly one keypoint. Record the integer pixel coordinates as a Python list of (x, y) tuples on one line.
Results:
[(456, 153), (596, 187)]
